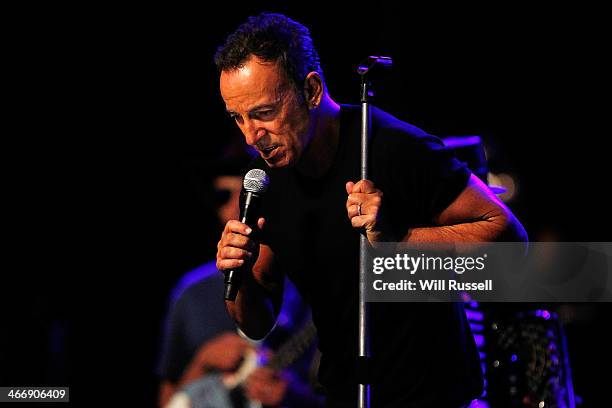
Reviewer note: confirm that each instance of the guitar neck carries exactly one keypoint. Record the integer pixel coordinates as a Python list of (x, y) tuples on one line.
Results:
[(293, 348)]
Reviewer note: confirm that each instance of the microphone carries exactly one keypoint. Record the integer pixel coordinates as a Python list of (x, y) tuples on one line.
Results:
[(255, 183)]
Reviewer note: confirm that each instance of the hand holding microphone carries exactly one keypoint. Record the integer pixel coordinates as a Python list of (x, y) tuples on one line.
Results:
[(237, 247)]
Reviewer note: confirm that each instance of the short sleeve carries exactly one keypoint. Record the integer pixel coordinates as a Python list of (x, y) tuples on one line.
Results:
[(419, 176)]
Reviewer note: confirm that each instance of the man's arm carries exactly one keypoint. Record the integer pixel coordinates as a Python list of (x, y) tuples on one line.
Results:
[(259, 299), (476, 215)]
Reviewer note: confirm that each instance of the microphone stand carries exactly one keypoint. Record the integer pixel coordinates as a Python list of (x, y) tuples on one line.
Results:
[(366, 128)]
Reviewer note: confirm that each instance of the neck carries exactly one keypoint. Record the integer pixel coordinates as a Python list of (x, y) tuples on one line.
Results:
[(325, 129)]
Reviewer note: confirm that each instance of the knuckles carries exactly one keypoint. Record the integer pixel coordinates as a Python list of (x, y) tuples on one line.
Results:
[(233, 246)]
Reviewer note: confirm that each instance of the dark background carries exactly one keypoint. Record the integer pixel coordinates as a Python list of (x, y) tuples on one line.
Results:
[(114, 112)]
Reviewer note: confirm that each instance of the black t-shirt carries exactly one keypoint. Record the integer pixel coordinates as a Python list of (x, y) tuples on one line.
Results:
[(423, 354)]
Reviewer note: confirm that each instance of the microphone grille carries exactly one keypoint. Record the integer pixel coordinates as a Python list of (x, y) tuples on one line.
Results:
[(256, 181)]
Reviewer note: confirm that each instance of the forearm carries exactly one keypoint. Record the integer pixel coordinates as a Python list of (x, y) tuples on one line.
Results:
[(256, 306), (498, 226), (477, 215)]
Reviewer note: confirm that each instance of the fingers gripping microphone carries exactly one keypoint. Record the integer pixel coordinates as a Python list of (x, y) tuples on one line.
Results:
[(255, 184)]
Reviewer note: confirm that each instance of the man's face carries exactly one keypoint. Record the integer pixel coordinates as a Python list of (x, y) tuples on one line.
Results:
[(272, 116)]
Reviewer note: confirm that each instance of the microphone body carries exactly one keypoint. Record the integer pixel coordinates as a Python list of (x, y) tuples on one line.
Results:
[(249, 214), (255, 183)]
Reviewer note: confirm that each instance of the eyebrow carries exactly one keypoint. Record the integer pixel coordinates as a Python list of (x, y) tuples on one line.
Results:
[(259, 107)]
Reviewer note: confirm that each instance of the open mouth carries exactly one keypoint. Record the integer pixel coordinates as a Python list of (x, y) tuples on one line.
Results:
[(268, 150)]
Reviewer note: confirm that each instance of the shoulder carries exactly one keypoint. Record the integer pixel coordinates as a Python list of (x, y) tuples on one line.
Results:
[(392, 136), (389, 128), (387, 123)]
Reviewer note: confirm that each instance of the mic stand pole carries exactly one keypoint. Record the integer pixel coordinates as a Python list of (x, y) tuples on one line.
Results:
[(364, 323)]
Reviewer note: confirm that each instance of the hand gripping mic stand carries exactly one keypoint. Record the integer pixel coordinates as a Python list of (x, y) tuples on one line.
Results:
[(364, 340)]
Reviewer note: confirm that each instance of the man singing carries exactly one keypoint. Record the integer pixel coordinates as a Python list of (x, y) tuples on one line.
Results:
[(423, 355)]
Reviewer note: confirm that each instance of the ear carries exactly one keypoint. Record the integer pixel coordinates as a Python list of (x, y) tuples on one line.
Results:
[(313, 89)]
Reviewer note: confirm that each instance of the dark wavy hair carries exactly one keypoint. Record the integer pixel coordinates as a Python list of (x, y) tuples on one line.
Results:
[(273, 38)]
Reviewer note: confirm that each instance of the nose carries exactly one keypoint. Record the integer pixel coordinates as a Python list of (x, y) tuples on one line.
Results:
[(252, 132)]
